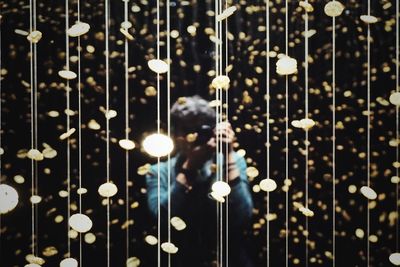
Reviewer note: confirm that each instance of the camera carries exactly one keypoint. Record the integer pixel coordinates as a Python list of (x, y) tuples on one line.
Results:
[(204, 133)]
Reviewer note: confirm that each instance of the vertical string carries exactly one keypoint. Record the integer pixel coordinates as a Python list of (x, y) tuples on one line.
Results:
[(31, 3), (221, 166), (0, 117), (287, 139), (126, 48), (397, 124), (158, 132), (368, 129), (35, 126), (306, 130), (79, 130), (217, 120), (268, 119), (68, 124), (333, 142), (226, 144), (169, 120), (107, 25)]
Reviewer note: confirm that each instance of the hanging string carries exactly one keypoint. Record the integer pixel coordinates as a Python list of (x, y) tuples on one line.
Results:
[(79, 130), (35, 126), (0, 121), (33, 82), (107, 53), (68, 125), (333, 141), (368, 129), (397, 124), (169, 121), (32, 125), (226, 144), (126, 47), (221, 163), (158, 132), (306, 116), (267, 80), (286, 139), (217, 121)]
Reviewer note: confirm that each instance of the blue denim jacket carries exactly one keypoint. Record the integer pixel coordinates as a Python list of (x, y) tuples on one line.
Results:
[(196, 243)]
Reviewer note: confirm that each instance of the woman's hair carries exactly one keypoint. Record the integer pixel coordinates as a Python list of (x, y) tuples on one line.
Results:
[(189, 113)]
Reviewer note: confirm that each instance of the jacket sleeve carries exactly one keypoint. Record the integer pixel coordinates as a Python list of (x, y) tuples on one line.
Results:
[(178, 192), (240, 200)]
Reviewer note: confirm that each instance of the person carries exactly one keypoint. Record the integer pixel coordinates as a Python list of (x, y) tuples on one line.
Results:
[(192, 173)]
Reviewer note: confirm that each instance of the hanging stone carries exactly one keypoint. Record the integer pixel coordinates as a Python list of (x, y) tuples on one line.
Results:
[(333, 8)]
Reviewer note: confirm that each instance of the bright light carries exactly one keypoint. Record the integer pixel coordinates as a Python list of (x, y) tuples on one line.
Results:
[(132, 262), (69, 262), (78, 29), (268, 185), (80, 223), (8, 198), (221, 188), (126, 144), (178, 223), (169, 247), (217, 197), (221, 82), (395, 98), (395, 258), (158, 66), (107, 190), (158, 145), (333, 8), (368, 192), (286, 65)]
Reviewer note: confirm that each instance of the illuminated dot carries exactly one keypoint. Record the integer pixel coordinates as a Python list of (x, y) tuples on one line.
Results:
[(359, 233), (34, 36), (90, 238), (126, 144), (107, 189), (158, 66), (69, 262), (169, 247), (217, 197), (352, 189), (395, 98), (394, 258), (368, 192), (78, 29), (158, 145), (67, 74), (221, 188), (132, 262), (369, 19), (333, 8), (286, 66), (178, 223), (268, 185), (8, 198), (35, 199), (35, 154), (221, 82), (94, 125), (226, 13), (151, 240), (80, 223)]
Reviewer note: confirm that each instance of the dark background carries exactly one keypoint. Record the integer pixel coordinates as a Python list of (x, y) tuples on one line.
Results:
[(246, 51)]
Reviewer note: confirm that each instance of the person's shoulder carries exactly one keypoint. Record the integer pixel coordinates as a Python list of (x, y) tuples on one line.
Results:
[(163, 167), (239, 158)]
